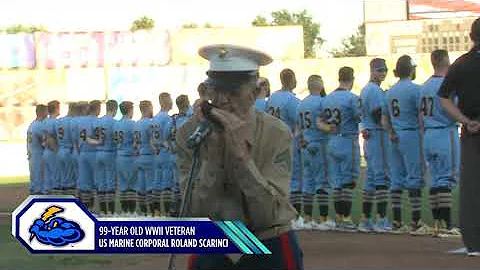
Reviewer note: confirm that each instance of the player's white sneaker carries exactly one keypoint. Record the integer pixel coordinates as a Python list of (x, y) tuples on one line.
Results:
[(423, 229), (346, 225), (453, 232), (382, 225), (400, 229), (308, 225), (365, 226), (325, 226), (473, 254), (298, 224)]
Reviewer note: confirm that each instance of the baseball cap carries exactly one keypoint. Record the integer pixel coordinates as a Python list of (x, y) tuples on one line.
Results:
[(378, 64)]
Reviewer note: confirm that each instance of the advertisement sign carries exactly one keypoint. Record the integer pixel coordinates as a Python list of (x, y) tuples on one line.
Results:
[(17, 50), (56, 50)]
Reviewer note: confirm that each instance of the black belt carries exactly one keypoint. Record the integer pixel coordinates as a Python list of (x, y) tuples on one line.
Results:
[(406, 129), (443, 127)]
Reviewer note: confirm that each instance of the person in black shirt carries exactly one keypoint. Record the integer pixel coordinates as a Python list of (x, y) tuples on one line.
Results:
[(463, 82)]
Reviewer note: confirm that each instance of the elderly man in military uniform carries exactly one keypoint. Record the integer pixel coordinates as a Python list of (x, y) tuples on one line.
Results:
[(243, 173)]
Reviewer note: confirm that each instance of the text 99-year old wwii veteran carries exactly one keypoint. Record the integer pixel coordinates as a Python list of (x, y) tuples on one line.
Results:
[(463, 81), (245, 165)]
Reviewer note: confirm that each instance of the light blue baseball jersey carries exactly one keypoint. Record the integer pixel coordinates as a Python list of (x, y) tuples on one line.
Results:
[(429, 105), (372, 98), (30, 137), (159, 123), (175, 122), (63, 128), (307, 113), (49, 127), (35, 136), (342, 107), (104, 131), (403, 98), (142, 134), (283, 104), (74, 130), (123, 133), (261, 104), (86, 129)]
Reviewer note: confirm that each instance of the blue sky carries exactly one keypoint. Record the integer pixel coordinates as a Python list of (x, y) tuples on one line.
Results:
[(338, 18)]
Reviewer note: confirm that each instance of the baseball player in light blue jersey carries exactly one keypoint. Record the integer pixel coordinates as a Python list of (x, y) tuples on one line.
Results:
[(51, 173), (161, 163), (82, 109), (176, 121), (35, 150), (63, 128), (342, 110), (376, 145), (441, 145), (314, 143), (105, 178), (283, 105), (87, 154), (142, 135), (123, 137), (263, 88), (406, 156)]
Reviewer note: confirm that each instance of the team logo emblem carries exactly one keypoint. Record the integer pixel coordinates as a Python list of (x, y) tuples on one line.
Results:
[(56, 231), (223, 53)]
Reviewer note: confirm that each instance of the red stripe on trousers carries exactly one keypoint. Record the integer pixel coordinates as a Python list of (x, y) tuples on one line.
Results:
[(287, 252), (191, 261)]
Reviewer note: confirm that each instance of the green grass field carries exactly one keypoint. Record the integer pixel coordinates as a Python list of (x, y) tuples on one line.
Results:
[(9, 180), (15, 256)]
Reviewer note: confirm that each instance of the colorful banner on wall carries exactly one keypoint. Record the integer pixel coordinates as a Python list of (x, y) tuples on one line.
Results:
[(98, 49), (56, 50), (17, 51), (140, 48)]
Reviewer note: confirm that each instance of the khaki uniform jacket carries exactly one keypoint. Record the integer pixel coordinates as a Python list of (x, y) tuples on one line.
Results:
[(256, 192)]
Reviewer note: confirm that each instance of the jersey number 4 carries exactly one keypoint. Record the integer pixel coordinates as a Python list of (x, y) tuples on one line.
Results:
[(426, 106)]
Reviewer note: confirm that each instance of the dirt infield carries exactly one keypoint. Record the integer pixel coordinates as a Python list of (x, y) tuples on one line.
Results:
[(11, 196)]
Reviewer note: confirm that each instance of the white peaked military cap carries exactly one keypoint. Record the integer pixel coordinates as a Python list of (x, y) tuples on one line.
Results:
[(227, 57)]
